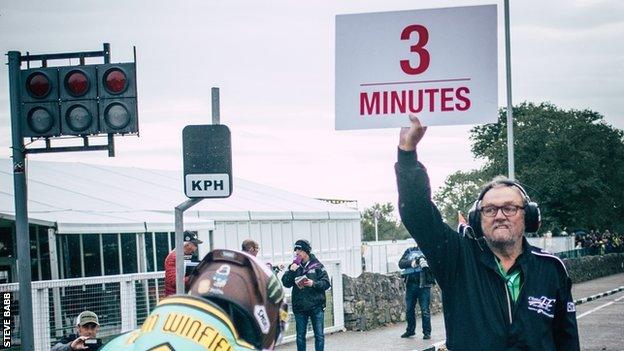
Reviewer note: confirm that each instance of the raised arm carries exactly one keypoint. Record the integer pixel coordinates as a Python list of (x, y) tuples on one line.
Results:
[(439, 242)]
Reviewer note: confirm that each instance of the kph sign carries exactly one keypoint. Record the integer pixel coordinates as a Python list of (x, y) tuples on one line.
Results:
[(207, 161)]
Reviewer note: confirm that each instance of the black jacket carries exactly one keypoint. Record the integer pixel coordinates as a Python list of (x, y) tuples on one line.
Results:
[(420, 275), (308, 298), (478, 313)]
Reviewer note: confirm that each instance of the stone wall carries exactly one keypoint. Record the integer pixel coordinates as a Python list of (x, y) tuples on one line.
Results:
[(373, 300), (592, 267)]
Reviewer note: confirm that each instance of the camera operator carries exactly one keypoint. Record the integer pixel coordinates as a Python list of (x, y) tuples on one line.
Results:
[(418, 280), (87, 326)]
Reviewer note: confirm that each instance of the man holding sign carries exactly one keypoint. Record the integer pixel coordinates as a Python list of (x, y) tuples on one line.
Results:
[(499, 292)]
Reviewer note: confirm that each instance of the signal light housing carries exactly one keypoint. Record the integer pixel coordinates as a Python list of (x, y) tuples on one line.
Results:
[(79, 100), (118, 102), (79, 110), (79, 117), (115, 81), (38, 85), (40, 119), (78, 82), (40, 113)]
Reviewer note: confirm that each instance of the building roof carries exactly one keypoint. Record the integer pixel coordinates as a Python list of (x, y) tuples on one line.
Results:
[(80, 198)]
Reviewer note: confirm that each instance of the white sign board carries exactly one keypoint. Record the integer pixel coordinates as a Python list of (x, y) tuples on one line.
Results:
[(207, 185), (440, 64)]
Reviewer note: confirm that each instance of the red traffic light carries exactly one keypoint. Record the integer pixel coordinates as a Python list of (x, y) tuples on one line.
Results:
[(115, 81), (38, 85), (77, 83)]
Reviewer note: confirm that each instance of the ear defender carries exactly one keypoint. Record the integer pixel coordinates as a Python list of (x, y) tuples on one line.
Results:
[(532, 216)]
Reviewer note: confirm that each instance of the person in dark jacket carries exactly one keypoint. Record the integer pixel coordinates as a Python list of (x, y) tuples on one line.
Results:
[(498, 292), (87, 326), (418, 280), (308, 279)]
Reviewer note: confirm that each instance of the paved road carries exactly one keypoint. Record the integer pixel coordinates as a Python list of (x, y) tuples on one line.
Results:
[(601, 325)]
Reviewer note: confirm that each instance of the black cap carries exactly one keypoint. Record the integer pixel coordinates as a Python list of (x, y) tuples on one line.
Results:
[(191, 237), (304, 245)]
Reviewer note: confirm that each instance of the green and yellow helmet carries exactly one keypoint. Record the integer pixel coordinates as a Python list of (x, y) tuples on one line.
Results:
[(234, 303)]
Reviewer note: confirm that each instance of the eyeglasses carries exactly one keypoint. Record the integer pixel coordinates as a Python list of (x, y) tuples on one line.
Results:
[(508, 210)]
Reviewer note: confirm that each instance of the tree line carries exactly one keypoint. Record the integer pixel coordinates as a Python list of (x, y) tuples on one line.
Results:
[(571, 162)]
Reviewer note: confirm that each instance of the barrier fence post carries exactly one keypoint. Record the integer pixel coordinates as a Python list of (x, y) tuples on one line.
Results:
[(337, 295), (41, 314)]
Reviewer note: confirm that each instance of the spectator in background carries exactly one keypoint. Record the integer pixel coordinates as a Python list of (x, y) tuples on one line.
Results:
[(418, 280), (87, 326), (308, 279), (191, 243), (251, 247)]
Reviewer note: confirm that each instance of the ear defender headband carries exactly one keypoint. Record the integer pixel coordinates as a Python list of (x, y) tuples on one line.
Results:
[(532, 218)]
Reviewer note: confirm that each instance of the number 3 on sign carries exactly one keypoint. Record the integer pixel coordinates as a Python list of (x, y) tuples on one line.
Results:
[(418, 48)]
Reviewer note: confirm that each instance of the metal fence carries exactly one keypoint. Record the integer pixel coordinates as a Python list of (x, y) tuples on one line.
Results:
[(122, 303), (383, 256)]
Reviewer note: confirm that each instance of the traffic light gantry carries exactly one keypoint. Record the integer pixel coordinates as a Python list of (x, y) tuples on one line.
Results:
[(53, 102), (80, 100)]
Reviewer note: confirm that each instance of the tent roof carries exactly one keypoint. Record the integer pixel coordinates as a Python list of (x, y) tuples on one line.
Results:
[(80, 197)]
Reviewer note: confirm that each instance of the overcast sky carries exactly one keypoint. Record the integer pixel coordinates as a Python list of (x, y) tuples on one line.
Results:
[(274, 64)]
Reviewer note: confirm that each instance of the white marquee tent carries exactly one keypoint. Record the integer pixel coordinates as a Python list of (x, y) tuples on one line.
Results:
[(79, 198)]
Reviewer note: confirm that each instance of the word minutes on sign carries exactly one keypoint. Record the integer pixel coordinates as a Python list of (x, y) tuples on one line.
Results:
[(415, 101)]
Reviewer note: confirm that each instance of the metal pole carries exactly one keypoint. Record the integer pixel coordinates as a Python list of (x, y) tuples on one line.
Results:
[(216, 116), (376, 231), (21, 209), (179, 241), (376, 215), (510, 136)]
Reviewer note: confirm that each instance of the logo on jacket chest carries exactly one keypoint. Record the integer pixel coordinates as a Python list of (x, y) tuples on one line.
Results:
[(542, 305)]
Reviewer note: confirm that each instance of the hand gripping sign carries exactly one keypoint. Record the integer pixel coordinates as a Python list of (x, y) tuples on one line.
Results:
[(440, 64)]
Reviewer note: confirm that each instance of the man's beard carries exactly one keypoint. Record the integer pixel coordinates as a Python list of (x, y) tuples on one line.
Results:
[(501, 243)]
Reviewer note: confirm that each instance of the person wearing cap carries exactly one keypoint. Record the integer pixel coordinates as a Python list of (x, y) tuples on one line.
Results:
[(191, 243), (308, 279), (87, 326)]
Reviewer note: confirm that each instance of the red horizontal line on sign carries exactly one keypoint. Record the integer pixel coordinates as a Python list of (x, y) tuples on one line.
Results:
[(417, 81)]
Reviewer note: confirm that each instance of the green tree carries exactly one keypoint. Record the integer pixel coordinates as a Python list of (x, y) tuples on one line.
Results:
[(389, 228), (571, 162), (458, 194)]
